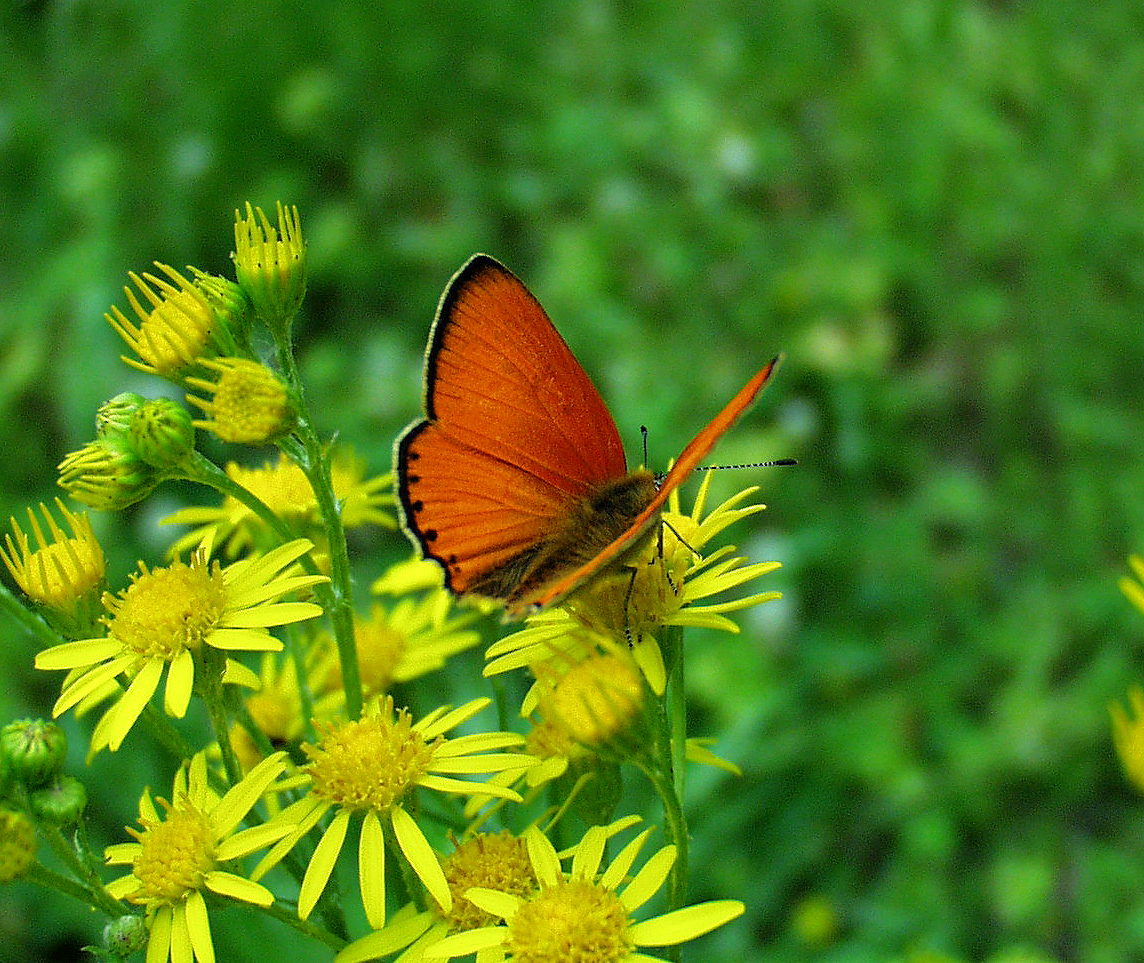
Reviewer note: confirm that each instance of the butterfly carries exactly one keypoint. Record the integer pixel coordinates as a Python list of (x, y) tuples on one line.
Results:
[(515, 481)]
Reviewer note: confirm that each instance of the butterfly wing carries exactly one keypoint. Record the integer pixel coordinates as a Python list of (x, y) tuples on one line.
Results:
[(515, 432), (698, 449)]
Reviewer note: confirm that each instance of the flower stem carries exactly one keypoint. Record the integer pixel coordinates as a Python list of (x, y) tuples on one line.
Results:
[(32, 622)]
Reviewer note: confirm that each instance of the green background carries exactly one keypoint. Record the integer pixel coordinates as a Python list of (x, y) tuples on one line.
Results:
[(935, 208)]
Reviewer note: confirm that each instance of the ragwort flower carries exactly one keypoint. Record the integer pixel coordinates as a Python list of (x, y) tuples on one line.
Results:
[(184, 852), (584, 913), (164, 620), (371, 766)]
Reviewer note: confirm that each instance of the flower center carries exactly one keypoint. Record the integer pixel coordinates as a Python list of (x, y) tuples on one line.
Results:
[(574, 922), (175, 854), (369, 763), (495, 860), (249, 403), (169, 609)]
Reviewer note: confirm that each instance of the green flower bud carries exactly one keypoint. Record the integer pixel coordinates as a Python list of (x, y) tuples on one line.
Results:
[(231, 305), (161, 433), (17, 844), (113, 419), (106, 475), (32, 751), (62, 801), (124, 936)]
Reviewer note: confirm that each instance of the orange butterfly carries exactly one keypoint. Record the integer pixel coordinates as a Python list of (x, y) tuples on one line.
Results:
[(515, 482)]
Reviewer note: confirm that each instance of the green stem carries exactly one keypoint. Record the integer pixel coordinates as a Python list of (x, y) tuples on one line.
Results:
[(314, 459), (290, 918), (669, 774), (32, 622), (97, 896), (96, 899)]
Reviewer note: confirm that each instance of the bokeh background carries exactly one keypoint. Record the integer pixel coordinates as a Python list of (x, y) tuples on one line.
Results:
[(935, 208)]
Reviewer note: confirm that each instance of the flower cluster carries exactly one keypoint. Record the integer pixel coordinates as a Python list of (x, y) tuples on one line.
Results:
[(320, 769)]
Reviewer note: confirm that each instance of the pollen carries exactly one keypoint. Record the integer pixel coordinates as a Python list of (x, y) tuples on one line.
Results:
[(575, 922), (175, 854), (494, 860), (369, 763), (166, 610), (248, 402)]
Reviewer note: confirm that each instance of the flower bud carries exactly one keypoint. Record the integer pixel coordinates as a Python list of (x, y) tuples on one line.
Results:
[(62, 801), (161, 434), (106, 475), (271, 265), (249, 403), (125, 936), (230, 304), (32, 751), (113, 420), (17, 844)]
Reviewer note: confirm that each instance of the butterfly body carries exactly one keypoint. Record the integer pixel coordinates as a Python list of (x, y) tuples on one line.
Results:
[(515, 482)]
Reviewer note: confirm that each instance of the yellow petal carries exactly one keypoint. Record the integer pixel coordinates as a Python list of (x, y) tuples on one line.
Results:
[(421, 857), (122, 716), (649, 879), (235, 887), (371, 869), (199, 928), (322, 864), (685, 924), (180, 681), (72, 655)]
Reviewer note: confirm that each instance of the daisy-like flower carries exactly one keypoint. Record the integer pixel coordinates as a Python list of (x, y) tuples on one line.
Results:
[(271, 264), (371, 766), (63, 573), (287, 492), (178, 330), (584, 913), (493, 860), (399, 643), (1128, 735), (107, 475), (666, 591), (184, 851), (248, 404), (163, 621)]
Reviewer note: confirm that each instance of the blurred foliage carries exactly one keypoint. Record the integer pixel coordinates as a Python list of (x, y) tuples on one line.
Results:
[(936, 209)]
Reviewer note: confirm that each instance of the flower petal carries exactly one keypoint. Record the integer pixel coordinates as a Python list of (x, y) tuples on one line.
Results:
[(371, 869), (685, 924), (236, 887), (470, 941), (322, 864), (72, 655), (421, 857), (242, 796), (199, 928), (617, 870), (126, 711), (543, 857), (649, 879), (159, 943), (252, 640), (180, 681), (276, 613)]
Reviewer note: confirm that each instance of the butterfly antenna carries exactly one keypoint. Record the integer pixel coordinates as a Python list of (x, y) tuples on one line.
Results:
[(777, 463), (643, 434)]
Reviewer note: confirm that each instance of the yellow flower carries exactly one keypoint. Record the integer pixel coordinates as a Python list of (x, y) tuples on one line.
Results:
[(63, 573), (183, 852), (105, 474), (583, 913), (1128, 735), (176, 332), (165, 619), (400, 643), (494, 860), (285, 490), (248, 403), (371, 766), (663, 592), (271, 265), (17, 844)]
